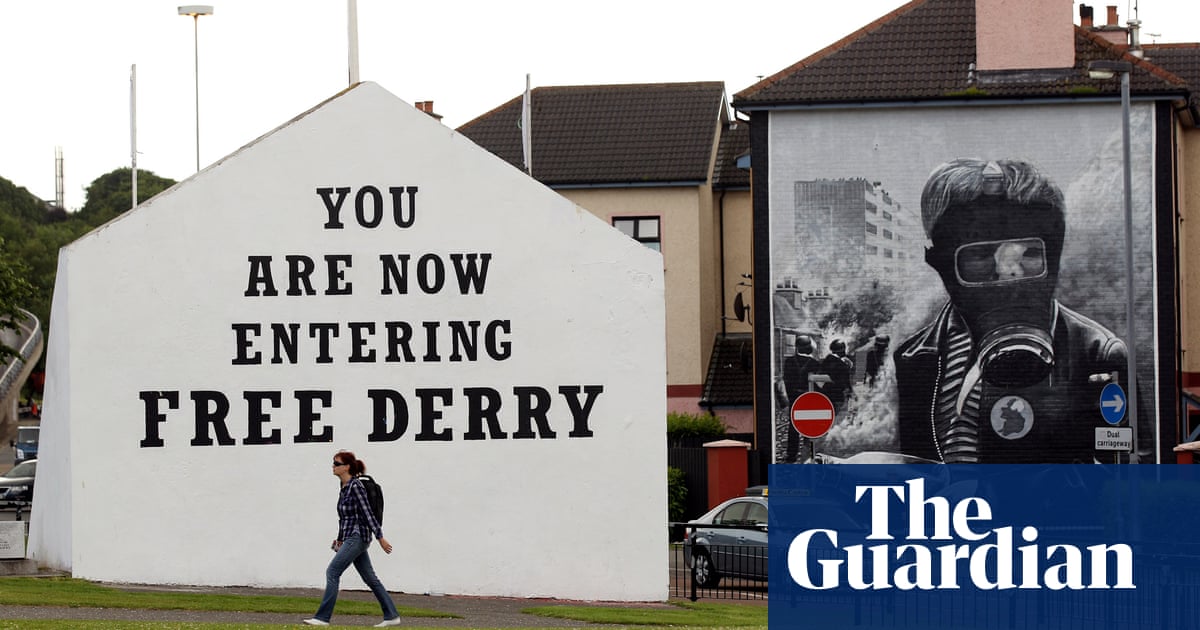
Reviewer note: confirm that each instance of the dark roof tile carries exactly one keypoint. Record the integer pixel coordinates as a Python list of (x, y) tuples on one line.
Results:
[(735, 141), (924, 51), (1182, 60), (730, 381), (610, 134)]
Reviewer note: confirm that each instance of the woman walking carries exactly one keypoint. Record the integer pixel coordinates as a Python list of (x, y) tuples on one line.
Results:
[(356, 525)]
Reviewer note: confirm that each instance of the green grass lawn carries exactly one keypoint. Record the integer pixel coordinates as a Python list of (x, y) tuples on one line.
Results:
[(72, 593), (694, 615)]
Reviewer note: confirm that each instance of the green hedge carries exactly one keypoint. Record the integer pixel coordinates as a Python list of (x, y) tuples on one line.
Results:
[(676, 494), (691, 425)]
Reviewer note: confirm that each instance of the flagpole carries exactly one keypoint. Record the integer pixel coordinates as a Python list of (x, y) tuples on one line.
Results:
[(133, 132), (352, 35)]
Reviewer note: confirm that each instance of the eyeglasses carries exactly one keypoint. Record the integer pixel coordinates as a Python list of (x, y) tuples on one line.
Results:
[(336, 463)]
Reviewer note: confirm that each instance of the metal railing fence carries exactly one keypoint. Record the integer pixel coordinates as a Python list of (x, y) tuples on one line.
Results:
[(736, 571)]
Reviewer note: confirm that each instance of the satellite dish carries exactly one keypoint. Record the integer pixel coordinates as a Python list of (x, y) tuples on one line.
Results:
[(739, 308)]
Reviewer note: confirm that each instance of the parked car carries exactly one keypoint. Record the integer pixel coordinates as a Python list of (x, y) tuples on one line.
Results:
[(16, 485), (737, 549), (26, 445)]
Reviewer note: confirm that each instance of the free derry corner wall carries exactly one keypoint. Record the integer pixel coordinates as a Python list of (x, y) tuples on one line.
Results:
[(360, 278)]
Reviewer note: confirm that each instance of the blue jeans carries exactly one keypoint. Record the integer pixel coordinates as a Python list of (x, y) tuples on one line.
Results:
[(353, 550)]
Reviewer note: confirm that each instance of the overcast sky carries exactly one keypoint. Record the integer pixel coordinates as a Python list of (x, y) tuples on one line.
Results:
[(65, 64)]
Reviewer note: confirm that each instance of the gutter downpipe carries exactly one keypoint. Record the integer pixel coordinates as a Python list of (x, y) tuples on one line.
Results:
[(721, 254), (721, 247)]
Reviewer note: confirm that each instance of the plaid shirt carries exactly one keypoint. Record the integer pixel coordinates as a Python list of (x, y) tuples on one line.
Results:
[(354, 513)]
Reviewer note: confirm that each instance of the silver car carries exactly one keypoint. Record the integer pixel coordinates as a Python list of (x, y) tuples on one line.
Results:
[(16, 485), (738, 548)]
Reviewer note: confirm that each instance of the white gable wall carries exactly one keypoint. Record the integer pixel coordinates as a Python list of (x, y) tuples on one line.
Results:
[(50, 523), (153, 299)]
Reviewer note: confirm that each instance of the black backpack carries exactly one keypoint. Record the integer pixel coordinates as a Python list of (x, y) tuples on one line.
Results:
[(374, 496)]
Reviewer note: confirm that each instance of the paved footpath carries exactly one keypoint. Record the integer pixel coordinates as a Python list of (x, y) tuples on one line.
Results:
[(473, 612)]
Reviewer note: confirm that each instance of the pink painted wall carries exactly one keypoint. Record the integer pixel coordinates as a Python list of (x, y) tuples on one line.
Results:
[(1024, 34)]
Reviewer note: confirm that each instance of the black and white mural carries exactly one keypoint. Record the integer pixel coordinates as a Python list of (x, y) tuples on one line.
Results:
[(953, 279)]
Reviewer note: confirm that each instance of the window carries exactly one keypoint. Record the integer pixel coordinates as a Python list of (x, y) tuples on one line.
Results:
[(887, 234), (871, 229), (887, 215), (733, 515), (757, 514), (641, 229)]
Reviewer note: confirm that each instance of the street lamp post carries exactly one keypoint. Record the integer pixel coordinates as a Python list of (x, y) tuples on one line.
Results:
[(196, 10), (1104, 69)]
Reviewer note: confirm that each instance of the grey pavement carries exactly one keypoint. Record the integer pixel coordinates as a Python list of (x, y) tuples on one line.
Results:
[(472, 612)]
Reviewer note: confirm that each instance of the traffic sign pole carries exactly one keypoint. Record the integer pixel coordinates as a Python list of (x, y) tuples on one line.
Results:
[(812, 416)]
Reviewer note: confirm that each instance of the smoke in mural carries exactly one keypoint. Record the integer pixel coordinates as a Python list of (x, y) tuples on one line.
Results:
[(956, 298)]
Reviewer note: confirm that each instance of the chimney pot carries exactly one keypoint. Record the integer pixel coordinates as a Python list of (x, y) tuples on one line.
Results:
[(1085, 16), (427, 107), (1112, 15)]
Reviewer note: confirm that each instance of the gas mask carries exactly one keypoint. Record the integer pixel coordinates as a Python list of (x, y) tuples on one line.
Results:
[(999, 263)]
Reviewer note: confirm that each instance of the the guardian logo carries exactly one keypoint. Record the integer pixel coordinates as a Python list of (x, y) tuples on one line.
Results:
[(958, 548)]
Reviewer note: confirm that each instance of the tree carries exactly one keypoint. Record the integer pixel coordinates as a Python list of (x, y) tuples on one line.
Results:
[(19, 204), (110, 194), (32, 231), (15, 293)]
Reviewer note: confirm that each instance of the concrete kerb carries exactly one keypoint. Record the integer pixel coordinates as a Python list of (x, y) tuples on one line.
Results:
[(470, 611)]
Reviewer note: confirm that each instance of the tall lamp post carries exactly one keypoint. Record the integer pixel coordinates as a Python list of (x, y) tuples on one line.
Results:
[(1104, 69), (196, 10)]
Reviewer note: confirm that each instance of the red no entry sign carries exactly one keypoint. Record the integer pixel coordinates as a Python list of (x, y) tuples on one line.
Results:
[(812, 414)]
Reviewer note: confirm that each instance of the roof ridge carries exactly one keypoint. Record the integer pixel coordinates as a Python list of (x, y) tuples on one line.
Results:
[(1173, 45), (605, 86), (830, 49), (1137, 62), (670, 84), (488, 113)]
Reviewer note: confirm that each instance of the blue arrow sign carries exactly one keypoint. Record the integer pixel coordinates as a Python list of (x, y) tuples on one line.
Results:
[(1112, 403)]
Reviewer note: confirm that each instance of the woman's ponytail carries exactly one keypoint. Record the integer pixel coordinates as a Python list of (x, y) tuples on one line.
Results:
[(357, 467)]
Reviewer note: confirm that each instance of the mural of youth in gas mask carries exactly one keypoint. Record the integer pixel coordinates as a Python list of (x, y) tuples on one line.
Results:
[(1004, 373)]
